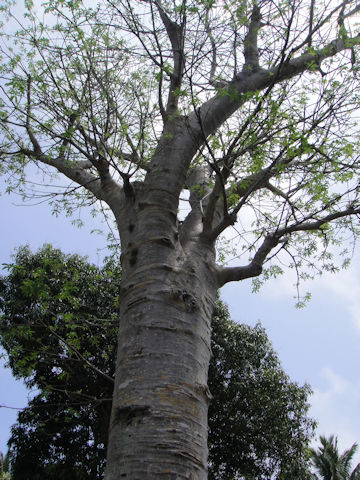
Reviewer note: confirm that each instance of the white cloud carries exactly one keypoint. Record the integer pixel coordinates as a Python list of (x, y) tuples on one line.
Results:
[(346, 287), (338, 385), (335, 407), (342, 287)]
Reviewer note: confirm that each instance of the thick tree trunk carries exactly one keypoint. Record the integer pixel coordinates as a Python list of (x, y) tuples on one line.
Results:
[(159, 419)]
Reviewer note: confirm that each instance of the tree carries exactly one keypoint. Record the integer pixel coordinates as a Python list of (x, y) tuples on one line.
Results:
[(60, 336), (330, 464), (4, 467), (247, 107), (257, 418), (53, 326)]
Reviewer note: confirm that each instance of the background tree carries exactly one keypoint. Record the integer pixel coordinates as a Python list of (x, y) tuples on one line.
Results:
[(257, 418), (330, 464), (4, 467), (58, 313), (60, 336), (243, 108)]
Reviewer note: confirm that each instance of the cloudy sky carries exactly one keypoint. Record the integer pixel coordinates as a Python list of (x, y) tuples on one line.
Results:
[(318, 344)]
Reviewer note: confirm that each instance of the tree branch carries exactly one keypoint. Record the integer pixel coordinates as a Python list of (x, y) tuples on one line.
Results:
[(213, 67), (198, 185), (217, 110), (254, 268), (311, 21), (176, 36), (317, 224), (251, 51), (35, 143), (75, 171)]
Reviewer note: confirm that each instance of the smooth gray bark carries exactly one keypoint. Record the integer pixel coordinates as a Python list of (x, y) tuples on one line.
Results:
[(159, 420)]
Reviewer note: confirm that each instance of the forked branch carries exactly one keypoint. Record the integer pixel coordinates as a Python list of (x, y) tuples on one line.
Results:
[(175, 34), (281, 235)]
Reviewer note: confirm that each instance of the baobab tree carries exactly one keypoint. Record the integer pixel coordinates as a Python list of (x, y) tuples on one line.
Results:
[(242, 110)]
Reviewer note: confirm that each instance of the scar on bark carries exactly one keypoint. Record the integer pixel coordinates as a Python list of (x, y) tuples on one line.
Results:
[(186, 298), (133, 256), (126, 415)]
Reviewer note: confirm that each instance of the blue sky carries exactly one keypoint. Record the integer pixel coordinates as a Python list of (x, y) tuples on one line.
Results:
[(318, 344)]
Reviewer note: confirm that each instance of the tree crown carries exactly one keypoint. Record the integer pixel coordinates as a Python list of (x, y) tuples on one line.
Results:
[(247, 105)]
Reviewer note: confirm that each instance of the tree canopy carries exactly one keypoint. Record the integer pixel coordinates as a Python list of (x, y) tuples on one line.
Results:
[(258, 427), (58, 327), (266, 91)]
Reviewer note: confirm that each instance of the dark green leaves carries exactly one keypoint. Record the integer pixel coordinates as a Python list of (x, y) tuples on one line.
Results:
[(330, 464), (257, 418)]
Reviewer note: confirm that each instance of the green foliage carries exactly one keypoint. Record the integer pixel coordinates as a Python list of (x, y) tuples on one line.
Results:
[(4, 467), (5, 476), (330, 464), (57, 342), (258, 428), (58, 327)]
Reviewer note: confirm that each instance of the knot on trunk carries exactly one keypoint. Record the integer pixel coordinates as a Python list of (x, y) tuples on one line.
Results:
[(126, 415), (186, 298)]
